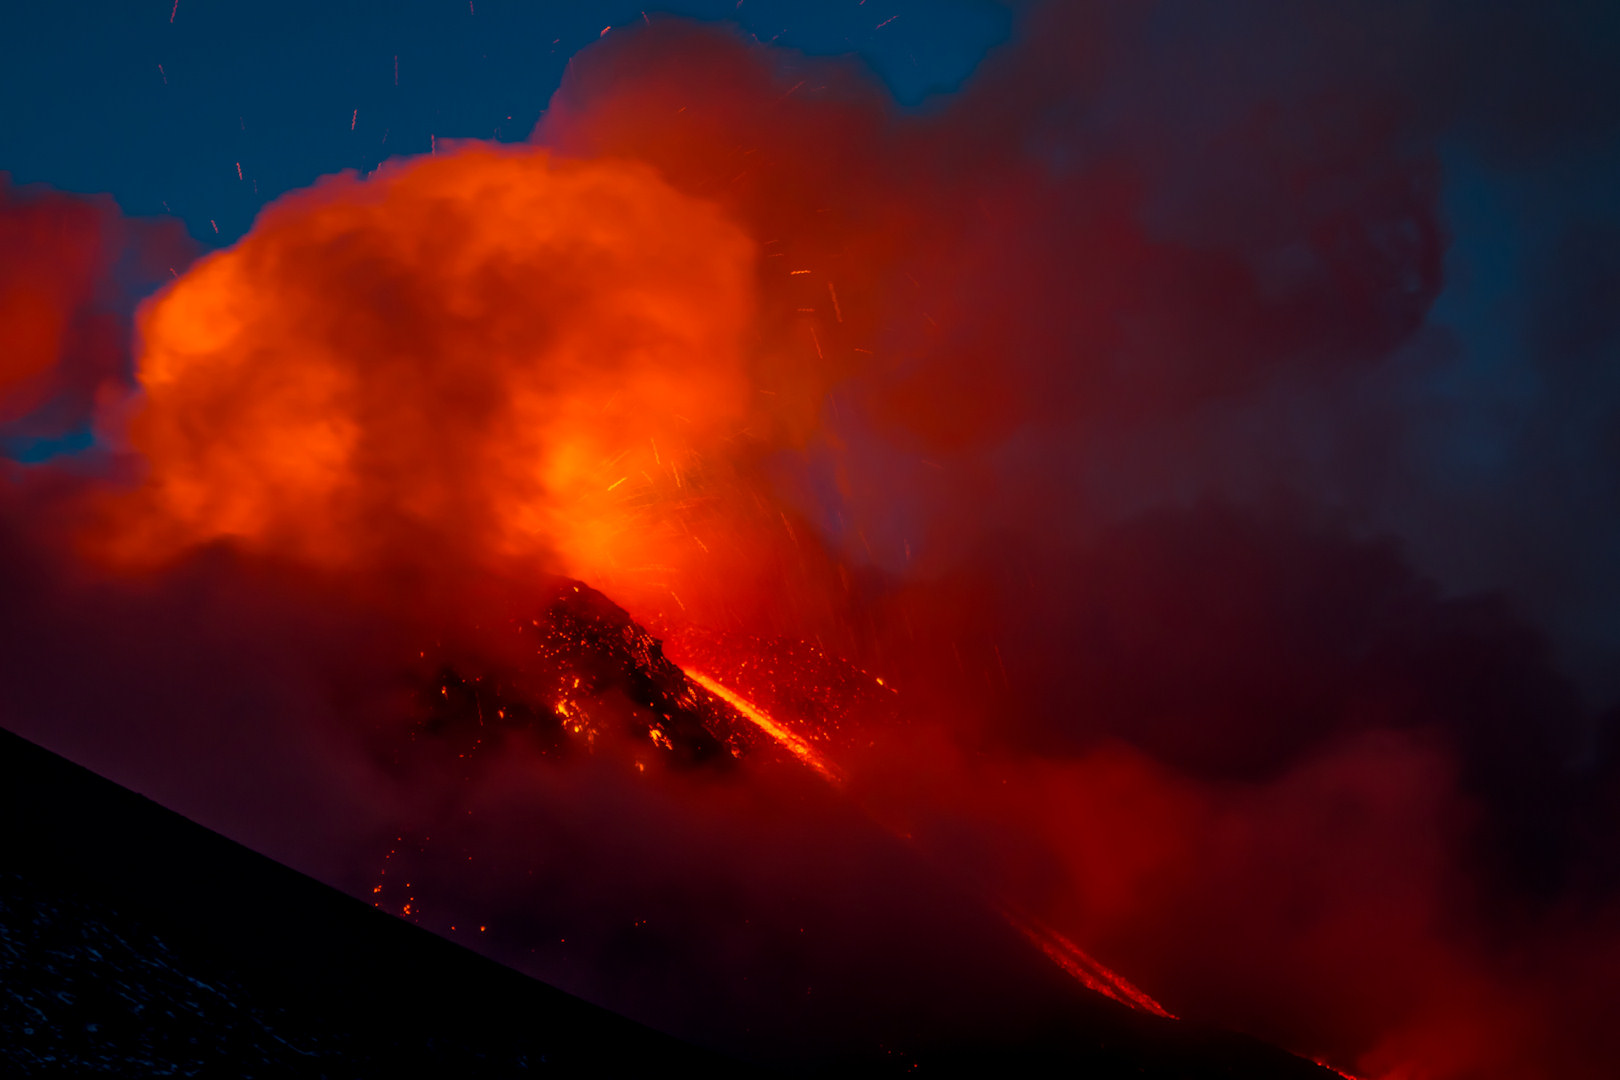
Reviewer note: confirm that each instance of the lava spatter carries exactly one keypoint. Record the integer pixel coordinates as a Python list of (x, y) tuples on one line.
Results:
[(593, 677), (580, 675)]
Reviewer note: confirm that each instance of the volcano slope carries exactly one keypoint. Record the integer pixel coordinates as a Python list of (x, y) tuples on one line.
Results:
[(136, 942)]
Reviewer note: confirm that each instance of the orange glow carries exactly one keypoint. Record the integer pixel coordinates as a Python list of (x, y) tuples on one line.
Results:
[(795, 745), (489, 354)]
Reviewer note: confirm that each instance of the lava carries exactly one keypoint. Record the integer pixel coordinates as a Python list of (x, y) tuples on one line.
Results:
[(585, 651), (1080, 964), (794, 744), (1075, 961)]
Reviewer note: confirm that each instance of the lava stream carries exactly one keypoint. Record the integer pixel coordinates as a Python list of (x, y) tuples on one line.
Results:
[(1080, 965), (1083, 966), (795, 745)]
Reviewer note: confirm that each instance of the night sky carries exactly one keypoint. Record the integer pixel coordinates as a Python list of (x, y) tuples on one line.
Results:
[(159, 114), (1217, 430)]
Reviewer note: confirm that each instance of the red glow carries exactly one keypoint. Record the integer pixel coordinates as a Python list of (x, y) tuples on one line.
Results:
[(815, 391), (1085, 968), (54, 254)]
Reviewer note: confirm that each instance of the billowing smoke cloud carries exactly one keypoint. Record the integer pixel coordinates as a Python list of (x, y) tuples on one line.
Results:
[(1101, 408), (446, 354)]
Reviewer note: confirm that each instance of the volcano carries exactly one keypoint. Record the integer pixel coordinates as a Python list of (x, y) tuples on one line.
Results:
[(939, 975), (135, 942), (586, 664)]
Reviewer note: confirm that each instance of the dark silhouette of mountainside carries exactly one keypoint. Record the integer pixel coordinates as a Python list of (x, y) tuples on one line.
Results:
[(134, 942)]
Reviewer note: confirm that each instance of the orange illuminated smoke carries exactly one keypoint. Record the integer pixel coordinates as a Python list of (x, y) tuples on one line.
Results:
[(490, 353)]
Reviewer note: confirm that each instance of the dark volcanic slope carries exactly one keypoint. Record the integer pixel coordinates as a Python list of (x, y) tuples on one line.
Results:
[(135, 943)]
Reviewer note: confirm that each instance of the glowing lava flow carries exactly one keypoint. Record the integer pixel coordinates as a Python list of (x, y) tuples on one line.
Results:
[(795, 745), (1074, 960), (1083, 967)]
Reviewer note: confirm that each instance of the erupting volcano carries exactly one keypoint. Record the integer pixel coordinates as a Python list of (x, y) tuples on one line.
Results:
[(595, 669), (1041, 576), (465, 391)]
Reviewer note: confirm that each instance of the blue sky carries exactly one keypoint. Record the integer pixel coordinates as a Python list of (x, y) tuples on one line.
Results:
[(119, 99)]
